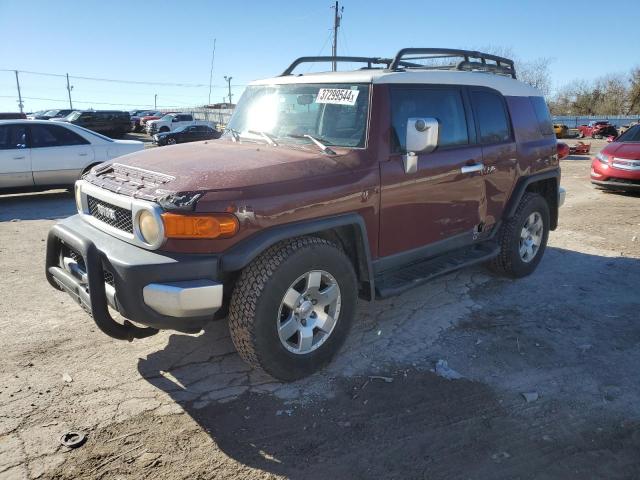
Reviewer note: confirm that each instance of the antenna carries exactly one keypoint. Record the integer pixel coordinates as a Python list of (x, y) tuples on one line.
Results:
[(337, 16), (213, 55)]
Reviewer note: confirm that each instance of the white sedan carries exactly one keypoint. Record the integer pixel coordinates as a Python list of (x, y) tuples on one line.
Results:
[(36, 154)]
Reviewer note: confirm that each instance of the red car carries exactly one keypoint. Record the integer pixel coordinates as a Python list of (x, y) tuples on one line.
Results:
[(597, 130), (563, 150), (617, 166)]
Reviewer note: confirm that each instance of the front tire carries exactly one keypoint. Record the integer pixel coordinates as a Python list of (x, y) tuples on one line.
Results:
[(523, 238), (293, 306)]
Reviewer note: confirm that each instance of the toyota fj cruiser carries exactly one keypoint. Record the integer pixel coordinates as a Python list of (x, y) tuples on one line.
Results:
[(325, 187)]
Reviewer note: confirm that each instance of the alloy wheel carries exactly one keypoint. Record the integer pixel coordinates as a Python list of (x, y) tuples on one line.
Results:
[(531, 237), (309, 312)]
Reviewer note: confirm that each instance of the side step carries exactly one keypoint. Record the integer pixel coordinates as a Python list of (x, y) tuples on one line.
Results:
[(396, 281)]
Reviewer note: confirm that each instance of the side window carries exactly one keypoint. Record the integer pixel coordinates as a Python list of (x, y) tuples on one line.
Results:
[(54, 136), (445, 105), (492, 117), (543, 115), (13, 137)]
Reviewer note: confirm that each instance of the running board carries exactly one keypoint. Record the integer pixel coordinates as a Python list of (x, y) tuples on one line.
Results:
[(396, 281)]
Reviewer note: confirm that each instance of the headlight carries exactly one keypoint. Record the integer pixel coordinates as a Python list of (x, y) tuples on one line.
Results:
[(78, 198), (603, 158), (149, 227)]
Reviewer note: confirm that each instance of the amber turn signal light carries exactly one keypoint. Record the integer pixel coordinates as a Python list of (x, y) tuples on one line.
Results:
[(218, 225)]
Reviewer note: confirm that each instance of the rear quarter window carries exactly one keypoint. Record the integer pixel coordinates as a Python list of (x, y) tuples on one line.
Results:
[(491, 114), (542, 115)]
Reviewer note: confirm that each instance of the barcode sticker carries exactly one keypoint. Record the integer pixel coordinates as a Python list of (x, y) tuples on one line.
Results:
[(338, 96)]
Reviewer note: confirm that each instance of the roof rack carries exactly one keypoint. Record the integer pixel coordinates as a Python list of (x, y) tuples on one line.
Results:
[(370, 61), (472, 60)]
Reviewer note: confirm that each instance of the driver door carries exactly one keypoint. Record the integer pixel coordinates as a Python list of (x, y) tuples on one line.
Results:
[(15, 157), (441, 205)]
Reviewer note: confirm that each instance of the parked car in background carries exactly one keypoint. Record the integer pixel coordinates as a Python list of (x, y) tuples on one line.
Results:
[(560, 130), (38, 154), (599, 129), (563, 150), (35, 115), (617, 166), (12, 115), (172, 121), (147, 118), (190, 133), (113, 123), (138, 115), (49, 114)]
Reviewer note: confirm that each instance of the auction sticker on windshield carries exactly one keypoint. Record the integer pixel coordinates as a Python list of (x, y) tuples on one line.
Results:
[(338, 96)]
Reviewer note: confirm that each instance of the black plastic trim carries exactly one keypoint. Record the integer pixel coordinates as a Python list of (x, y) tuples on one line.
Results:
[(243, 253), (521, 188)]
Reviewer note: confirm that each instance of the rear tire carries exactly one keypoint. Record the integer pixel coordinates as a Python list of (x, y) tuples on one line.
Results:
[(259, 312), (523, 238)]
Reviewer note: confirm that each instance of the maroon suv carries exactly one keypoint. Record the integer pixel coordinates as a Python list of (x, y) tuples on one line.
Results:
[(325, 187)]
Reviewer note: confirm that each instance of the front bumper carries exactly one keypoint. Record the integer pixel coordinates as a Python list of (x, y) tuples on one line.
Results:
[(617, 184), (618, 174), (159, 290), (562, 195)]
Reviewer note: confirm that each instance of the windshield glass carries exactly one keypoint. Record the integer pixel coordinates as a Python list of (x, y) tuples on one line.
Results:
[(631, 135), (335, 114), (51, 113), (73, 116)]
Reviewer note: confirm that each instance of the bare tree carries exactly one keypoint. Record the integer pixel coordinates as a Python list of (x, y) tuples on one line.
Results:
[(535, 72)]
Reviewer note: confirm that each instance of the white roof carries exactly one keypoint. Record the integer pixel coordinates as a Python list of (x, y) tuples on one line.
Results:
[(505, 85)]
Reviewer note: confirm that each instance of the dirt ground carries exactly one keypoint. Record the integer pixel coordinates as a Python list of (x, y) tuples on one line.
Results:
[(180, 406)]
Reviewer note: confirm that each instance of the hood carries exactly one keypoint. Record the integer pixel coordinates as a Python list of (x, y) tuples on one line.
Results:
[(626, 150), (219, 166)]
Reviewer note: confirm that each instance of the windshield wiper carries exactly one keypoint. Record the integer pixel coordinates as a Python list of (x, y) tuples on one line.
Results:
[(269, 139), (235, 135), (322, 146)]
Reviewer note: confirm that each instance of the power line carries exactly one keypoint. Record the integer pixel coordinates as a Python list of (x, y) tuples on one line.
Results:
[(132, 82)]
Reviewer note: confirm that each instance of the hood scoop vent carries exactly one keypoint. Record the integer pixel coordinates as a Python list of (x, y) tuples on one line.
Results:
[(127, 180)]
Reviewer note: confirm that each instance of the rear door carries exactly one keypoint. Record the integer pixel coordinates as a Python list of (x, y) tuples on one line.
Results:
[(499, 151), (58, 155), (441, 204), (15, 157)]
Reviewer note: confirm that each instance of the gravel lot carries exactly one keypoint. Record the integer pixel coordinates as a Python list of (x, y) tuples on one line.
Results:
[(185, 406)]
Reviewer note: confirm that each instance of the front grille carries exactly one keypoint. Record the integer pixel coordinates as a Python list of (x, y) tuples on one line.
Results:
[(113, 215), (625, 180), (108, 278)]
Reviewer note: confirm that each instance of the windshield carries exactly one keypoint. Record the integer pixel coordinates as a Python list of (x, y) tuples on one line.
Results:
[(335, 114), (51, 113), (631, 135), (73, 116), (167, 118)]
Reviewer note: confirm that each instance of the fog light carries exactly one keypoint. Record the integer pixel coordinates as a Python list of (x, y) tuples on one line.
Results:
[(149, 227)]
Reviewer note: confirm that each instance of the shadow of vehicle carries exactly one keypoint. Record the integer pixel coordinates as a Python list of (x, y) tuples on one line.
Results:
[(50, 205), (391, 417)]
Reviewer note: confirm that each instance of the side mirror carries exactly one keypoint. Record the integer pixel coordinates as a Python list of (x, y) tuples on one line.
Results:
[(422, 137)]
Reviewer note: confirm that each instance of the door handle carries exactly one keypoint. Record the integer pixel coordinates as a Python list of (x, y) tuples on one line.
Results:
[(476, 167), (22, 157), (83, 154)]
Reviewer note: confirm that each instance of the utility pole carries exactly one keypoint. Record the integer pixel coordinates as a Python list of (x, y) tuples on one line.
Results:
[(155, 101), (213, 55), (19, 94), (337, 16), (69, 88), (228, 80)]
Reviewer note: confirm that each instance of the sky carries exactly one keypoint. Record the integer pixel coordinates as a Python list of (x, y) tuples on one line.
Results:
[(161, 44)]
